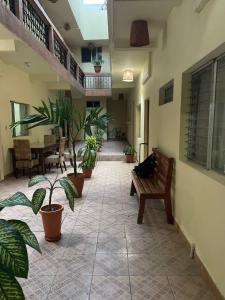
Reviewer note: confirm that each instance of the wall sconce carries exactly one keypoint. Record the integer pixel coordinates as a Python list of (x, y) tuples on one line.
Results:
[(128, 75)]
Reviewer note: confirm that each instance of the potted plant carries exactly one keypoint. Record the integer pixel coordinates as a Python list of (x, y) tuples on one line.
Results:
[(98, 62), (61, 112), (88, 156), (15, 235), (52, 212), (130, 153)]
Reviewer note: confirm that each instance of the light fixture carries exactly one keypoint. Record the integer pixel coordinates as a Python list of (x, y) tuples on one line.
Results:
[(139, 33), (128, 75)]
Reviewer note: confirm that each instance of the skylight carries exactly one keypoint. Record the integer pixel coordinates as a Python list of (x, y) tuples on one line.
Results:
[(94, 2)]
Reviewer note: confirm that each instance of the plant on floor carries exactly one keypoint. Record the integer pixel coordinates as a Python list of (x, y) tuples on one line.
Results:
[(51, 213), (88, 156), (99, 139), (15, 235), (130, 152), (58, 113)]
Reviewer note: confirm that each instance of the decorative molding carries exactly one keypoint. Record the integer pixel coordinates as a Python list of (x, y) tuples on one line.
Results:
[(199, 5), (147, 71)]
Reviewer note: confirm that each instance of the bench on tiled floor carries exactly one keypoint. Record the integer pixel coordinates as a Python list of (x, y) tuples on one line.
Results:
[(157, 187)]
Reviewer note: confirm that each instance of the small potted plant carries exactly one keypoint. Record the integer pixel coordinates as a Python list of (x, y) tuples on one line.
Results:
[(98, 62), (51, 213), (130, 153), (88, 156)]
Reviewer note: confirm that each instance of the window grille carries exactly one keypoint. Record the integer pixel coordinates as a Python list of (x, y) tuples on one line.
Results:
[(73, 67)]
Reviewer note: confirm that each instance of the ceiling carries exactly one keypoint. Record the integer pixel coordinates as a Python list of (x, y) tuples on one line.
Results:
[(121, 15), (72, 37)]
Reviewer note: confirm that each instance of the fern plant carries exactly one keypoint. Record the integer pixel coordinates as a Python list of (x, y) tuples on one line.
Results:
[(15, 235)]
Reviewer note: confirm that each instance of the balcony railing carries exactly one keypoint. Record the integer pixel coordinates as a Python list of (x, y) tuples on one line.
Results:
[(101, 81), (36, 21)]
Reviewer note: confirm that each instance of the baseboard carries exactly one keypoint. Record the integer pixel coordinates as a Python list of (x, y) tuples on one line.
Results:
[(204, 271)]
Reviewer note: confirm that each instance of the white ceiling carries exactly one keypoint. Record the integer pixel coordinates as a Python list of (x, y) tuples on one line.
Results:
[(123, 12)]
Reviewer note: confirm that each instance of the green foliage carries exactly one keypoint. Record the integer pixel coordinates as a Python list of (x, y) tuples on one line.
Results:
[(17, 199), (38, 199), (91, 142), (99, 138), (98, 119), (98, 61), (36, 179), (129, 150), (14, 236), (88, 157), (40, 194)]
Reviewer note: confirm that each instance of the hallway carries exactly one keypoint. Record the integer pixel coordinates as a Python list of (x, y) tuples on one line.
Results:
[(103, 253)]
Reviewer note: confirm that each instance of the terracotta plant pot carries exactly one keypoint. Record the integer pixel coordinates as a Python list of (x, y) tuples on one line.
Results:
[(78, 181), (130, 158), (52, 222), (97, 69), (99, 149), (87, 173)]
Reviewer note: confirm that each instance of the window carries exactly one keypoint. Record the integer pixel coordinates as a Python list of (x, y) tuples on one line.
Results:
[(88, 54), (166, 93), (206, 117), (92, 104), (19, 111)]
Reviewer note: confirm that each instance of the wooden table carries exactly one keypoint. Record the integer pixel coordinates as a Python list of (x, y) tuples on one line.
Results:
[(40, 149)]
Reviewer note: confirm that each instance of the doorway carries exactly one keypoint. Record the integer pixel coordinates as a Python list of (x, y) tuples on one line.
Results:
[(146, 127)]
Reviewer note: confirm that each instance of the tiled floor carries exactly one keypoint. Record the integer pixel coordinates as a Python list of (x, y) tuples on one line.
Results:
[(103, 253)]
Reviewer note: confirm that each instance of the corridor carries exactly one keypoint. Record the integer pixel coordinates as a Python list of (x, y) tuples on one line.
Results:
[(103, 253)]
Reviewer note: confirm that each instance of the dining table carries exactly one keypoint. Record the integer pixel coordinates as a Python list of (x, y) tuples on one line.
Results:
[(40, 150)]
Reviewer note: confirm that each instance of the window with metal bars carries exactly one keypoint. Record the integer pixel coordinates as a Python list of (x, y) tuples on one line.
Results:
[(206, 116)]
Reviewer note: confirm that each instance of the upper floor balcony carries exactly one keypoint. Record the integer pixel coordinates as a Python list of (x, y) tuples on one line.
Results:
[(27, 20)]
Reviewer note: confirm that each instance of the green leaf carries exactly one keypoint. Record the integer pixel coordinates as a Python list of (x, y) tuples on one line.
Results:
[(9, 287), (38, 199), (36, 179), (13, 251), (17, 199), (70, 191), (27, 235)]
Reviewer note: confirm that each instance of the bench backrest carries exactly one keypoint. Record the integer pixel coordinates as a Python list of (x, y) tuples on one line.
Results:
[(163, 170)]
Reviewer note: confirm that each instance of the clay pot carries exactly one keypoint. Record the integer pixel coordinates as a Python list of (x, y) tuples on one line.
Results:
[(78, 181), (130, 158), (99, 149), (97, 69), (52, 222), (87, 173)]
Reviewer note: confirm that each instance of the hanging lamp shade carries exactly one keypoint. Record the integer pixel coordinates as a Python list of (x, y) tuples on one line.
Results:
[(128, 75), (139, 35)]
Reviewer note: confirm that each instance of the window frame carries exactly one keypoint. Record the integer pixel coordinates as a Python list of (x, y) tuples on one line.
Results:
[(211, 116), (163, 95), (26, 131)]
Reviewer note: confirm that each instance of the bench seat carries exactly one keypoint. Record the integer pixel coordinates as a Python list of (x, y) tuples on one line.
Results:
[(156, 187)]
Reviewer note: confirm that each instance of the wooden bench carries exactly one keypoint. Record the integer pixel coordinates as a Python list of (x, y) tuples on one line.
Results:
[(156, 187)]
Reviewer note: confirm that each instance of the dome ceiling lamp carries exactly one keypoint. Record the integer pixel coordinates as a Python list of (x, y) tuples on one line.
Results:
[(128, 75), (139, 35)]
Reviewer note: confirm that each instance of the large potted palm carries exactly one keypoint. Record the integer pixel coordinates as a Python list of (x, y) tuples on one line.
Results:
[(88, 156), (58, 113)]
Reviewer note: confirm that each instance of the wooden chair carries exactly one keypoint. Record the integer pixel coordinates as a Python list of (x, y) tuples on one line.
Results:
[(23, 157), (156, 187), (57, 159), (49, 139)]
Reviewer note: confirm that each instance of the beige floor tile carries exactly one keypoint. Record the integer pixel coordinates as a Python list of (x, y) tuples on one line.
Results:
[(111, 245), (111, 264), (190, 288), (110, 288), (150, 287)]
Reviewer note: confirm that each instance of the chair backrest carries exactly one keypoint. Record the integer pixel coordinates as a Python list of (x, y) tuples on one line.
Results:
[(49, 139), (62, 142), (163, 169), (22, 149)]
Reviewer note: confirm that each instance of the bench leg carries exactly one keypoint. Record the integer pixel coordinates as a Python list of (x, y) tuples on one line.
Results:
[(132, 189), (168, 207), (141, 210)]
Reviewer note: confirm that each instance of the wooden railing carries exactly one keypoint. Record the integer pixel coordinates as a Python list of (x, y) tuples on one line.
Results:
[(98, 81), (35, 19)]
